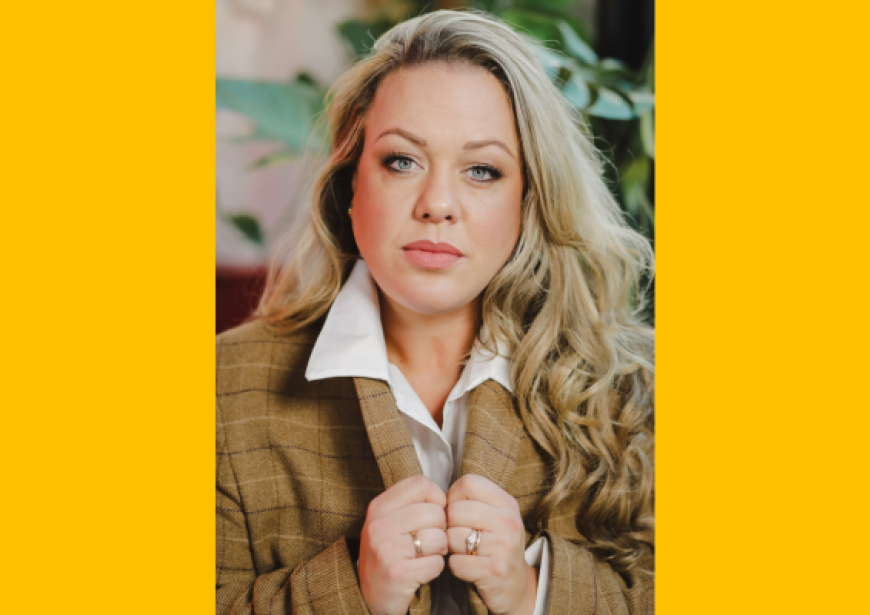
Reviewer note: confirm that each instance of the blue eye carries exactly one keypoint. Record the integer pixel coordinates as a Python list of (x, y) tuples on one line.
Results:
[(397, 163), (485, 174)]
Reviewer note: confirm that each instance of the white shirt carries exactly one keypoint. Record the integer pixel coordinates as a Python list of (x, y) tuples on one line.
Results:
[(351, 343)]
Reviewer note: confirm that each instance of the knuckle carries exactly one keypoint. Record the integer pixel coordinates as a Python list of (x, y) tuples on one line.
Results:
[(375, 527), (419, 482), (381, 554), (515, 525), (499, 568), (470, 482), (372, 509)]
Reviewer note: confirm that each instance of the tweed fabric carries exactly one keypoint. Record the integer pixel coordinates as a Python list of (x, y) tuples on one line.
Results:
[(298, 463)]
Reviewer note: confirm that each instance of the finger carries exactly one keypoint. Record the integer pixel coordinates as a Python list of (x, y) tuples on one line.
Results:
[(470, 568), (416, 489), (421, 569), (415, 517), (474, 487), (432, 542), (457, 541), (474, 514)]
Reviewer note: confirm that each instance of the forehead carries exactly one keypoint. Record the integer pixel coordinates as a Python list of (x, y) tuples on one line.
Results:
[(446, 101)]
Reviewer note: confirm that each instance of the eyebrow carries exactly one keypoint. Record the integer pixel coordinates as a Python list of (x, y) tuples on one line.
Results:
[(422, 142), (479, 144)]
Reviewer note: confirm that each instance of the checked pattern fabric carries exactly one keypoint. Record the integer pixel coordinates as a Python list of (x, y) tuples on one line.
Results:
[(298, 462)]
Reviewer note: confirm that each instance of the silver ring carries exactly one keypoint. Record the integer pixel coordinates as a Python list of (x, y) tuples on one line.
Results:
[(473, 542), (417, 546)]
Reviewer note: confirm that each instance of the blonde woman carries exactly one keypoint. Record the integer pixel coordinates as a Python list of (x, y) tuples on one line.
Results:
[(445, 403)]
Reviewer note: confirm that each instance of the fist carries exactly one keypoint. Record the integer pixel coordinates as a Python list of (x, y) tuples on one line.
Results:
[(504, 581), (390, 568)]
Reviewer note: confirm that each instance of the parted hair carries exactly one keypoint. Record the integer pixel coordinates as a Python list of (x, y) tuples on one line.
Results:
[(566, 303)]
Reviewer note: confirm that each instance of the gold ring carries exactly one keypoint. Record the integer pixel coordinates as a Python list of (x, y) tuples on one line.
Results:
[(472, 542), (417, 546)]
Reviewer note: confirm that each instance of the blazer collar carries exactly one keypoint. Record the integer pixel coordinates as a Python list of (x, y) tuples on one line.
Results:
[(492, 434), (492, 437), (389, 436)]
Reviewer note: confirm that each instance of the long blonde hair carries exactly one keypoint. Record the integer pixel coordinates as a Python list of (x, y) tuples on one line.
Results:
[(567, 301)]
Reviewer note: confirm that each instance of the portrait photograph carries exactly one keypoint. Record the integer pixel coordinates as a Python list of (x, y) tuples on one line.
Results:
[(435, 317), (493, 307)]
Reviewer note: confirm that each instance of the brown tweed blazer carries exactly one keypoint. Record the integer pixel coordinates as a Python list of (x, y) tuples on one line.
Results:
[(298, 462)]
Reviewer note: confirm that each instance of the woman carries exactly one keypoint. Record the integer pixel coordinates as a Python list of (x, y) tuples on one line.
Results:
[(445, 404)]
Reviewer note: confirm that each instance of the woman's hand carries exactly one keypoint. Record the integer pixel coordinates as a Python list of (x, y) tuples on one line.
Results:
[(499, 570), (389, 569)]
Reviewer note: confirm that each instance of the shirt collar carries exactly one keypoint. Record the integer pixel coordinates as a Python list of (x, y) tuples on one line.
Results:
[(351, 343)]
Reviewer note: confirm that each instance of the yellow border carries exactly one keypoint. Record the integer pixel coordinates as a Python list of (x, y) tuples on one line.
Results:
[(108, 309), (762, 335)]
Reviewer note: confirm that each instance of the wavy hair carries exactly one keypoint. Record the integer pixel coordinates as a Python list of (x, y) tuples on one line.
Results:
[(566, 303)]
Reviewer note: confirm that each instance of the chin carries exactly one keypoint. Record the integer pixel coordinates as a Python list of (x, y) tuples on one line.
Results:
[(432, 301), (435, 306)]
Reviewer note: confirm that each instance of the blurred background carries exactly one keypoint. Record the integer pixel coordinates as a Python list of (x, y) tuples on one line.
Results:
[(277, 58)]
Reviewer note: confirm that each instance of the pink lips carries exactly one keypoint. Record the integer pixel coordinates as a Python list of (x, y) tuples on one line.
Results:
[(431, 255)]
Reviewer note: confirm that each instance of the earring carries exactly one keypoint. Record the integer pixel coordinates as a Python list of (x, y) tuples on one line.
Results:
[(348, 210)]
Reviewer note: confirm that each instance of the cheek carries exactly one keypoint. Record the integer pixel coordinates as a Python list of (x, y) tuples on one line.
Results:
[(369, 220), (498, 231)]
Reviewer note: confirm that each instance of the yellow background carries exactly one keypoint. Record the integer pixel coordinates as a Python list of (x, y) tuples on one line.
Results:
[(108, 316)]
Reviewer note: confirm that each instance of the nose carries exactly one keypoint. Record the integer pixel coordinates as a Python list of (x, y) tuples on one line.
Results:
[(437, 202)]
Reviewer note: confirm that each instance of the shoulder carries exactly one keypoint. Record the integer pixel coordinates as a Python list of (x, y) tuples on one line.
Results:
[(255, 363), (257, 340)]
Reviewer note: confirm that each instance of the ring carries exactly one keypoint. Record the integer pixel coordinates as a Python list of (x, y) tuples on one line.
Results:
[(472, 542), (417, 546)]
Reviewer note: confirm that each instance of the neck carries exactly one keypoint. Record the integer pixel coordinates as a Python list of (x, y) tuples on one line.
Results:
[(429, 349), (421, 339)]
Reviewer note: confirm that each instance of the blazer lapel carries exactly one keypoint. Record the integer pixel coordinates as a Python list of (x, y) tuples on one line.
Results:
[(394, 451), (492, 437), (388, 434), (492, 434)]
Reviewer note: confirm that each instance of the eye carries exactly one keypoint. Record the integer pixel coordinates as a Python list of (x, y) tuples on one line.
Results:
[(398, 163), (485, 174)]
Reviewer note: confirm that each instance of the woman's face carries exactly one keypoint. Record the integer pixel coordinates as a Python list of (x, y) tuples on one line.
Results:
[(439, 186)]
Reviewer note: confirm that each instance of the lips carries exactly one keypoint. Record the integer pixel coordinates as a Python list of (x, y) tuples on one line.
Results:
[(431, 255)]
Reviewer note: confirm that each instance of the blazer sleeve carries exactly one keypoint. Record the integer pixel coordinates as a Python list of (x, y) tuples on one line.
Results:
[(581, 584), (325, 584)]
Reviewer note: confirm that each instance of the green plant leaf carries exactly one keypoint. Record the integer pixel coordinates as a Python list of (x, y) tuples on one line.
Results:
[(249, 227), (648, 134), (551, 61), (587, 74), (575, 45), (360, 35), (528, 21), (642, 101), (637, 203), (610, 105), (550, 5), (577, 92), (280, 111)]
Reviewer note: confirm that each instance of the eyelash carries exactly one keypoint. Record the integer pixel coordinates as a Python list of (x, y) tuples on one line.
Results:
[(388, 160)]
